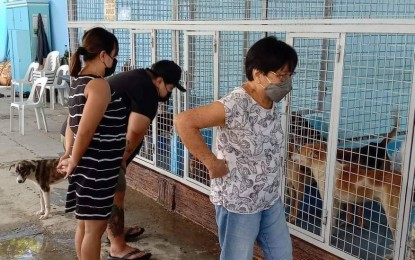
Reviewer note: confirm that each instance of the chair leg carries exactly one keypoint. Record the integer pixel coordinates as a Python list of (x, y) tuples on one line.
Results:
[(21, 92), (44, 118), (13, 90), (11, 118), (52, 97), (38, 115), (60, 96), (21, 119)]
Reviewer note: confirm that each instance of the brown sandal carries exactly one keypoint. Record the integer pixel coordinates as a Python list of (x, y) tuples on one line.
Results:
[(125, 257), (131, 237)]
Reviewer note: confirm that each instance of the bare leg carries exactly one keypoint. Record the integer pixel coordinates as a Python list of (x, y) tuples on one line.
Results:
[(91, 244), (115, 229), (79, 237)]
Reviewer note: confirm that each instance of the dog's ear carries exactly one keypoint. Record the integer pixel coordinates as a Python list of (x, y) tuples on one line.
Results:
[(13, 165)]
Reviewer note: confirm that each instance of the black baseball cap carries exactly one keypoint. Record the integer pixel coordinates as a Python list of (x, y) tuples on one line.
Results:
[(169, 71)]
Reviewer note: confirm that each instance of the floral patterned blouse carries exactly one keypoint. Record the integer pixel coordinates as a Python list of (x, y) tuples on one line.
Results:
[(252, 143)]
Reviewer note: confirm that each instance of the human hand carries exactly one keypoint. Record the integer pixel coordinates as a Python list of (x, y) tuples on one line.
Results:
[(66, 167), (63, 157), (60, 169), (218, 168), (124, 165)]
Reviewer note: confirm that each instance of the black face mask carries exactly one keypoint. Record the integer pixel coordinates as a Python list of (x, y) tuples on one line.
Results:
[(109, 71), (166, 98)]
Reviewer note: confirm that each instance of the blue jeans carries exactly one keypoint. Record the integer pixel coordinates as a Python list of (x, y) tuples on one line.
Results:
[(238, 232)]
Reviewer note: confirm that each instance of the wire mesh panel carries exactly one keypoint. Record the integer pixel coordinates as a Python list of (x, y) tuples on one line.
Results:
[(124, 53), (232, 49), (145, 10), (75, 39), (166, 150), (308, 124), (351, 210), (200, 10), (213, 10), (120, 10), (141, 57), (164, 136), (164, 45), (200, 89), (373, 123), (142, 49)]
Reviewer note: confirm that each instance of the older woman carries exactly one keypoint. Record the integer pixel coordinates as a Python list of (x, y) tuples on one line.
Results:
[(246, 173)]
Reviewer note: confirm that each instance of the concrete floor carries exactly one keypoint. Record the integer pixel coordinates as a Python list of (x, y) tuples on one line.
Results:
[(24, 236)]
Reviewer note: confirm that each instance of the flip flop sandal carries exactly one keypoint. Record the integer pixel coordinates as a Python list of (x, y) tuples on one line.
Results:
[(130, 237), (126, 257)]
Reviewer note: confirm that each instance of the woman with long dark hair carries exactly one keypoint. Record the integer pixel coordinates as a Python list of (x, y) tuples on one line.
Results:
[(95, 140)]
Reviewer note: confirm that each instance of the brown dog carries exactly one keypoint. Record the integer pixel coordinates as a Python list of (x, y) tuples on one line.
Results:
[(354, 183), (43, 173), (300, 133)]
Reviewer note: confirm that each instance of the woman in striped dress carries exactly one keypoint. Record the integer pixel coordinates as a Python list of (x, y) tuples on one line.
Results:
[(95, 137)]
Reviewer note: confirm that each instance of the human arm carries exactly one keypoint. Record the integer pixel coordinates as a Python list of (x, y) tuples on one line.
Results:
[(69, 139), (188, 125), (137, 128), (98, 96), (68, 142)]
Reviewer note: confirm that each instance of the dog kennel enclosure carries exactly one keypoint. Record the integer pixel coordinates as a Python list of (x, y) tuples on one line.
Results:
[(354, 78)]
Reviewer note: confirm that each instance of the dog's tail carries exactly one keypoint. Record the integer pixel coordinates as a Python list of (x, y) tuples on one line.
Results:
[(394, 130)]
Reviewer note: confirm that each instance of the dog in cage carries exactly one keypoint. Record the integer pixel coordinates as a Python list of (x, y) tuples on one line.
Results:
[(353, 182), (300, 133), (374, 155)]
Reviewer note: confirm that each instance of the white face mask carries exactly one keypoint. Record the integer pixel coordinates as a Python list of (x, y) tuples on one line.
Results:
[(277, 91)]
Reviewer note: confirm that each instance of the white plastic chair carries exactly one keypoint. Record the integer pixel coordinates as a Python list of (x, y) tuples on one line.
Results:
[(35, 100), (49, 69), (26, 81), (58, 84)]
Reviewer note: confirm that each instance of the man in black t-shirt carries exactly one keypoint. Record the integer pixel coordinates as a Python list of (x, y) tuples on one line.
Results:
[(141, 90)]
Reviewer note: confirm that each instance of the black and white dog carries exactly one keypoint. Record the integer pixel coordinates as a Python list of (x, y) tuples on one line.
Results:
[(43, 173)]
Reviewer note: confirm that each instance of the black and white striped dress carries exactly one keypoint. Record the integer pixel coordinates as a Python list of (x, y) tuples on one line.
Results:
[(92, 183)]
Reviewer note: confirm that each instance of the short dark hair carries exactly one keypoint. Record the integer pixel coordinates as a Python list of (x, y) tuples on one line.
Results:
[(270, 54), (169, 71)]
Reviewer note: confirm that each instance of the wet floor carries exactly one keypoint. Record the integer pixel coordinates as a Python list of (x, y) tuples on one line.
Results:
[(23, 235), (28, 242)]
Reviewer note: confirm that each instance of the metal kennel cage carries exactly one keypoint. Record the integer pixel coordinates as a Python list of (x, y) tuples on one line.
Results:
[(354, 82)]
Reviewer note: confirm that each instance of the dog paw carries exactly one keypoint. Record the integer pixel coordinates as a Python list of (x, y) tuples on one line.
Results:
[(291, 219), (44, 216), (40, 212), (388, 257)]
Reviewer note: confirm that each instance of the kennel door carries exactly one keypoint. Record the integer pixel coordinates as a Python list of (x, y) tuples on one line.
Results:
[(143, 55), (201, 66), (312, 120)]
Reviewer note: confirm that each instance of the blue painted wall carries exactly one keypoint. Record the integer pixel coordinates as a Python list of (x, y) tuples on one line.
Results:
[(59, 30), (59, 27), (3, 30)]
